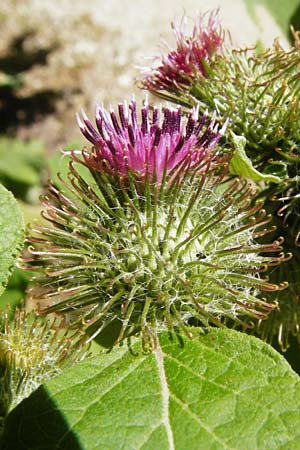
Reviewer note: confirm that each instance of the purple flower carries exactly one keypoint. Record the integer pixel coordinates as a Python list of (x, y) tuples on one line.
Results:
[(160, 143), (191, 56)]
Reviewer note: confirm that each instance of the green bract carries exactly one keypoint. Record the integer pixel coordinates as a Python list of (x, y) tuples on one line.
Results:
[(151, 255), (259, 92), (31, 352), (285, 321)]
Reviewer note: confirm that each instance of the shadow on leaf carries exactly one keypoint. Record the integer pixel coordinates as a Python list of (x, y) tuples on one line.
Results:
[(37, 424)]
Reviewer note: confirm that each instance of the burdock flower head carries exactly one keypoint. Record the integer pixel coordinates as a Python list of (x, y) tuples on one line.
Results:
[(158, 145), (191, 56), (257, 90), (32, 351), (155, 238)]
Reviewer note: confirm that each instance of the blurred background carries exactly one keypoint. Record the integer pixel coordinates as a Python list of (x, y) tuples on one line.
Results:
[(58, 56)]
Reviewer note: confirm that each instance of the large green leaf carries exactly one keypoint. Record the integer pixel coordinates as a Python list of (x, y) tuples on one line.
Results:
[(222, 390), (11, 234)]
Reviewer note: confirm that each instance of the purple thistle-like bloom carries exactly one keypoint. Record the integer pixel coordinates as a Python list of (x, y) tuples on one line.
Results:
[(160, 143), (191, 56)]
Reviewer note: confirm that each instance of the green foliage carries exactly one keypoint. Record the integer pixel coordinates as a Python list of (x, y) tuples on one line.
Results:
[(282, 11), (241, 165), (221, 390), (15, 290), (58, 165), (21, 166), (11, 234)]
